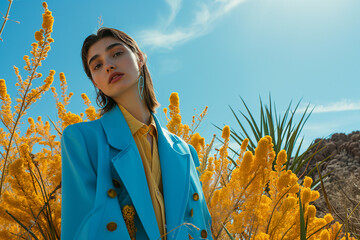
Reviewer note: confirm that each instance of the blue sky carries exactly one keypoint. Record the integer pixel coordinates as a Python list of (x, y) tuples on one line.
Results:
[(210, 52)]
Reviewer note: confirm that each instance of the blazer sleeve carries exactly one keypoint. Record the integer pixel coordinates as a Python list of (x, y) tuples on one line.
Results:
[(78, 181)]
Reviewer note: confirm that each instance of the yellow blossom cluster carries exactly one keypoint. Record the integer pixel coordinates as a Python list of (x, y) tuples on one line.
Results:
[(67, 117), (33, 181), (90, 112), (249, 197), (174, 124), (27, 95), (30, 196), (30, 161), (187, 132), (6, 115)]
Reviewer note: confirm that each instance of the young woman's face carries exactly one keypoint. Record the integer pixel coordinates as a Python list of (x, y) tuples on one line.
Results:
[(114, 67)]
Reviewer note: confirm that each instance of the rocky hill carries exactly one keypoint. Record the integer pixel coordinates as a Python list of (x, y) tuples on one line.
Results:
[(343, 184)]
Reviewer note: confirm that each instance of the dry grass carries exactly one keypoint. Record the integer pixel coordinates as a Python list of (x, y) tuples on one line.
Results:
[(344, 198)]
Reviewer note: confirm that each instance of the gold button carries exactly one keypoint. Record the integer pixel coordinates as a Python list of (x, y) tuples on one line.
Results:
[(112, 193), (111, 226), (204, 234), (196, 196), (116, 183), (192, 212)]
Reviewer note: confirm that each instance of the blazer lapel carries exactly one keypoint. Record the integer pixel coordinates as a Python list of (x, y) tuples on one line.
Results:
[(129, 167), (175, 171)]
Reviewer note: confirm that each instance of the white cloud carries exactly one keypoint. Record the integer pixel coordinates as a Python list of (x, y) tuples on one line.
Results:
[(342, 105), (171, 35), (175, 6)]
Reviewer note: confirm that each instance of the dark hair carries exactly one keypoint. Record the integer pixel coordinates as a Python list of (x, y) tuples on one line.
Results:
[(105, 102)]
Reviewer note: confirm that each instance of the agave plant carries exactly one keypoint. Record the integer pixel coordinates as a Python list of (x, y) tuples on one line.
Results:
[(283, 129)]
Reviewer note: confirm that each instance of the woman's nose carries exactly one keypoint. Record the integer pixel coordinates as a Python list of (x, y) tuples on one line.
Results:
[(109, 66)]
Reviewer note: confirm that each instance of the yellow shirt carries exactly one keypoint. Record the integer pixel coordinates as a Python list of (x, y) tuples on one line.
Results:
[(151, 162)]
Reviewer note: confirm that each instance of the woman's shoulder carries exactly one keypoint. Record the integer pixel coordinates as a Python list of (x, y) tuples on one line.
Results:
[(87, 129)]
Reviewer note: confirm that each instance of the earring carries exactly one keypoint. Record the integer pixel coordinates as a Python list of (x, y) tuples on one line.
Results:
[(103, 95), (141, 85), (106, 102)]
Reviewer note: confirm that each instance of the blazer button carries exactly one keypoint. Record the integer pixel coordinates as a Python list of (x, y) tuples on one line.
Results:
[(192, 212), (112, 193), (204, 234), (196, 196), (116, 183), (111, 226)]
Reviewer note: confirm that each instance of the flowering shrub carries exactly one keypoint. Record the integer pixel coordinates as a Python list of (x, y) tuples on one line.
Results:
[(246, 201), (252, 201)]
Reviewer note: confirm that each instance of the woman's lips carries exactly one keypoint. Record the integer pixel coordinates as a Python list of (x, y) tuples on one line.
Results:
[(116, 78)]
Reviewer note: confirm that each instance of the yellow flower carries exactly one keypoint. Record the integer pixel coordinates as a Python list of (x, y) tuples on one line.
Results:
[(262, 152), (48, 20), (62, 79), (324, 235), (244, 144), (284, 179), (305, 195), (328, 218), (307, 182), (3, 90), (197, 142), (281, 159), (226, 132), (35, 45), (289, 202), (314, 195), (174, 99), (311, 211), (262, 236)]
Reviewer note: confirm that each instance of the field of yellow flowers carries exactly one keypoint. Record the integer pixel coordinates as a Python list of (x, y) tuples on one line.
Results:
[(249, 200)]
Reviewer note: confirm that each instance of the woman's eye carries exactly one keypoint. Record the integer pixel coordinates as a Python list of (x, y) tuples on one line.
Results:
[(97, 66), (117, 54)]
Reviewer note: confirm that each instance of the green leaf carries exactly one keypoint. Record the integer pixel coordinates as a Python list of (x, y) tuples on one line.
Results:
[(228, 233), (283, 129), (302, 220)]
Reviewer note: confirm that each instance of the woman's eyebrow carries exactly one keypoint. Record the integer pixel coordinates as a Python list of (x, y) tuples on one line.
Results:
[(107, 49), (113, 45)]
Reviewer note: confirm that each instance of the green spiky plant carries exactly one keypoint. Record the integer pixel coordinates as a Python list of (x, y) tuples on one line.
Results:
[(284, 131)]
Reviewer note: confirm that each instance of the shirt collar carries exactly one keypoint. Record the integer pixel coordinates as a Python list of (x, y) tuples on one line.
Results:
[(134, 124)]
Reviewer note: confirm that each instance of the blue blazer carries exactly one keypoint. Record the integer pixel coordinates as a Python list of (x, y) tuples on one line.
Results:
[(101, 156)]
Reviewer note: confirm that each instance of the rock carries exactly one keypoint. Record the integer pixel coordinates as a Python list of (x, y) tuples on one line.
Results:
[(343, 184)]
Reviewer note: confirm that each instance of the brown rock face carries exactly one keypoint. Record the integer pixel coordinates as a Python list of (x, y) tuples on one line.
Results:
[(343, 184), (343, 152)]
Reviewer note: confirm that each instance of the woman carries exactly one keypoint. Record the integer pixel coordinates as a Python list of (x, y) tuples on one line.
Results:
[(123, 175)]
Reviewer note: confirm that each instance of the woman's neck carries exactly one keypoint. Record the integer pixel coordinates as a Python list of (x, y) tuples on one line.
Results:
[(135, 106)]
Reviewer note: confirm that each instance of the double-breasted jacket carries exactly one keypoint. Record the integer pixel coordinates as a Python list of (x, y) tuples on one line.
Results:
[(101, 157)]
